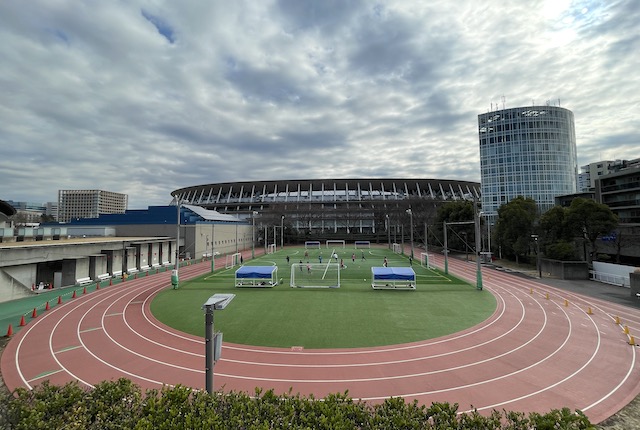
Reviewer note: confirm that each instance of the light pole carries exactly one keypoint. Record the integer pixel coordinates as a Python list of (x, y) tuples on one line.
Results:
[(411, 226), (478, 245), (213, 342), (253, 234), (538, 266), (388, 231), (282, 232), (175, 275), (466, 246)]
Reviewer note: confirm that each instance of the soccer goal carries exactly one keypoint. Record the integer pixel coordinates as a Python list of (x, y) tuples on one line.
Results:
[(424, 260), (330, 243), (397, 248), (361, 244), (315, 275), (232, 260), (271, 248), (312, 244)]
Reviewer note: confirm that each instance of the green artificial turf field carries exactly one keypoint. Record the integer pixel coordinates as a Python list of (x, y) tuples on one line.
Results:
[(354, 315)]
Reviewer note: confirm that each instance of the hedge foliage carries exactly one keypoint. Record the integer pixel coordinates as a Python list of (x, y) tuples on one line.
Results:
[(122, 405)]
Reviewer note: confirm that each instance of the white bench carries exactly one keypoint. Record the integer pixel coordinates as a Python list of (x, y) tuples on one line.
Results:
[(83, 281)]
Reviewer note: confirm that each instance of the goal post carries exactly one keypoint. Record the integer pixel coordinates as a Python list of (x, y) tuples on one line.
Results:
[(315, 275), (271, 248), (232, 260), (424, 260), (362, 244), (312, 244), (330, 243), (397, 248)]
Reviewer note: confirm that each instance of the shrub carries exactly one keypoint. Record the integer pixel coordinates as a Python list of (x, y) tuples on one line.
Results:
[(121, 405)]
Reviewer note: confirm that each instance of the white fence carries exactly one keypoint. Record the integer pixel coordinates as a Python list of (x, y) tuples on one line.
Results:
[(615, 274)]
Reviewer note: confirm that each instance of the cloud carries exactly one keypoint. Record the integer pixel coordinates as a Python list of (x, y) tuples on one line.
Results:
[(147, 98)]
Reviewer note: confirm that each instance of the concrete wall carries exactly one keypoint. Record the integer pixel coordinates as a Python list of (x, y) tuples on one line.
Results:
[(565, 269)]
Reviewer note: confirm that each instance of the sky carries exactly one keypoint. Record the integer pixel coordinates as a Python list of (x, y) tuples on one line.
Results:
[(146, 97)]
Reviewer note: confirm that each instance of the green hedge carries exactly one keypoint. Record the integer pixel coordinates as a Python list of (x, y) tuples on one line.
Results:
[(122, 405)]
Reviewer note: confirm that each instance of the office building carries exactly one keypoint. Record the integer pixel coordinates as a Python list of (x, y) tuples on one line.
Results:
[(529, 152), (89, 204)]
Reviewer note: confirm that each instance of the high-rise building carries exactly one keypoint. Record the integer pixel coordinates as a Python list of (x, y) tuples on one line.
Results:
[(529, 152), (89, 204)]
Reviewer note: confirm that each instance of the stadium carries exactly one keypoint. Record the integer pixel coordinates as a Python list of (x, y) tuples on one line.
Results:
[(372, 209)]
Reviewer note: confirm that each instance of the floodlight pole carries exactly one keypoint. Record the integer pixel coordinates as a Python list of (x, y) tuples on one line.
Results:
[(175, 282), (253, 234), (388, 231), (213, 252), (446, 251), (478, 245), (411, 226), (535, 237), (282, 232)]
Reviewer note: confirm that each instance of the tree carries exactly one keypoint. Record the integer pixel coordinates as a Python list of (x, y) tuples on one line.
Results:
[(515, 225), (589, 219), (458, 211)]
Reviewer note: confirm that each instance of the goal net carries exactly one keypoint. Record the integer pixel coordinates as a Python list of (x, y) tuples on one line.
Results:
[(340, 243), (360, 244), (232, 260), (315, 275), (271, 248), (312, 244), (424, 260), (397, 248)]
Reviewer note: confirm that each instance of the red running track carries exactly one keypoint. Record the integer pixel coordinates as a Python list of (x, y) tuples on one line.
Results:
[(542, 349)]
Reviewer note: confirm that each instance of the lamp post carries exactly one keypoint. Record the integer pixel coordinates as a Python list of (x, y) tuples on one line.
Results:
[(175, 275), (478, 245), (411, 226), (535, 237), (388, 231), (213, 342), (253, 234), (282, 232), (466, 246)]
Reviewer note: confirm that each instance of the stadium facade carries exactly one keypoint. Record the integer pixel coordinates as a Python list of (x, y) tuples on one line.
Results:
[(527, 151), (331, 207)]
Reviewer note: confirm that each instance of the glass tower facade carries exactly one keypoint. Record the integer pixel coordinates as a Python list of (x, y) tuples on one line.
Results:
[(527, 151)]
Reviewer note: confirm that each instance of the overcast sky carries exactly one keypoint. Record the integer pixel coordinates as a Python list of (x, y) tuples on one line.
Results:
[(147, 97)]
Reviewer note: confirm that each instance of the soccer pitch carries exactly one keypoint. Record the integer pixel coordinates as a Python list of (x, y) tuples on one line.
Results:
[(354, 315)]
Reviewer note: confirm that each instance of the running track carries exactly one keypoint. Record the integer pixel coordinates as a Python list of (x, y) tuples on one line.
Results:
[(542, 349)]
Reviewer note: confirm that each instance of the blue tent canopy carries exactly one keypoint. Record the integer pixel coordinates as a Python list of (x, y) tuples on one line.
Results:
[(393, 278), (255, 272), (257, 276), (394, 273)]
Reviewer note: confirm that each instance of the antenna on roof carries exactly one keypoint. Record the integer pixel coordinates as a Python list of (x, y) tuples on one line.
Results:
[(558, 102), (503, 100)]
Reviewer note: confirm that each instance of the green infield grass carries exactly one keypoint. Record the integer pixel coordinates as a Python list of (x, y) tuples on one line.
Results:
[(353, 315)]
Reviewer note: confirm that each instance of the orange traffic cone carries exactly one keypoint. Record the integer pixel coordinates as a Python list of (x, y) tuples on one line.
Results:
[(73, 296), (84, 290), (10, 331), (47, 307), (110, 281), (59, 300), (22, 321), (34, 313)]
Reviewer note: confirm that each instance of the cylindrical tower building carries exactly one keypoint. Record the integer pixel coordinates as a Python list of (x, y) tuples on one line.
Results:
[(529, 152)]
